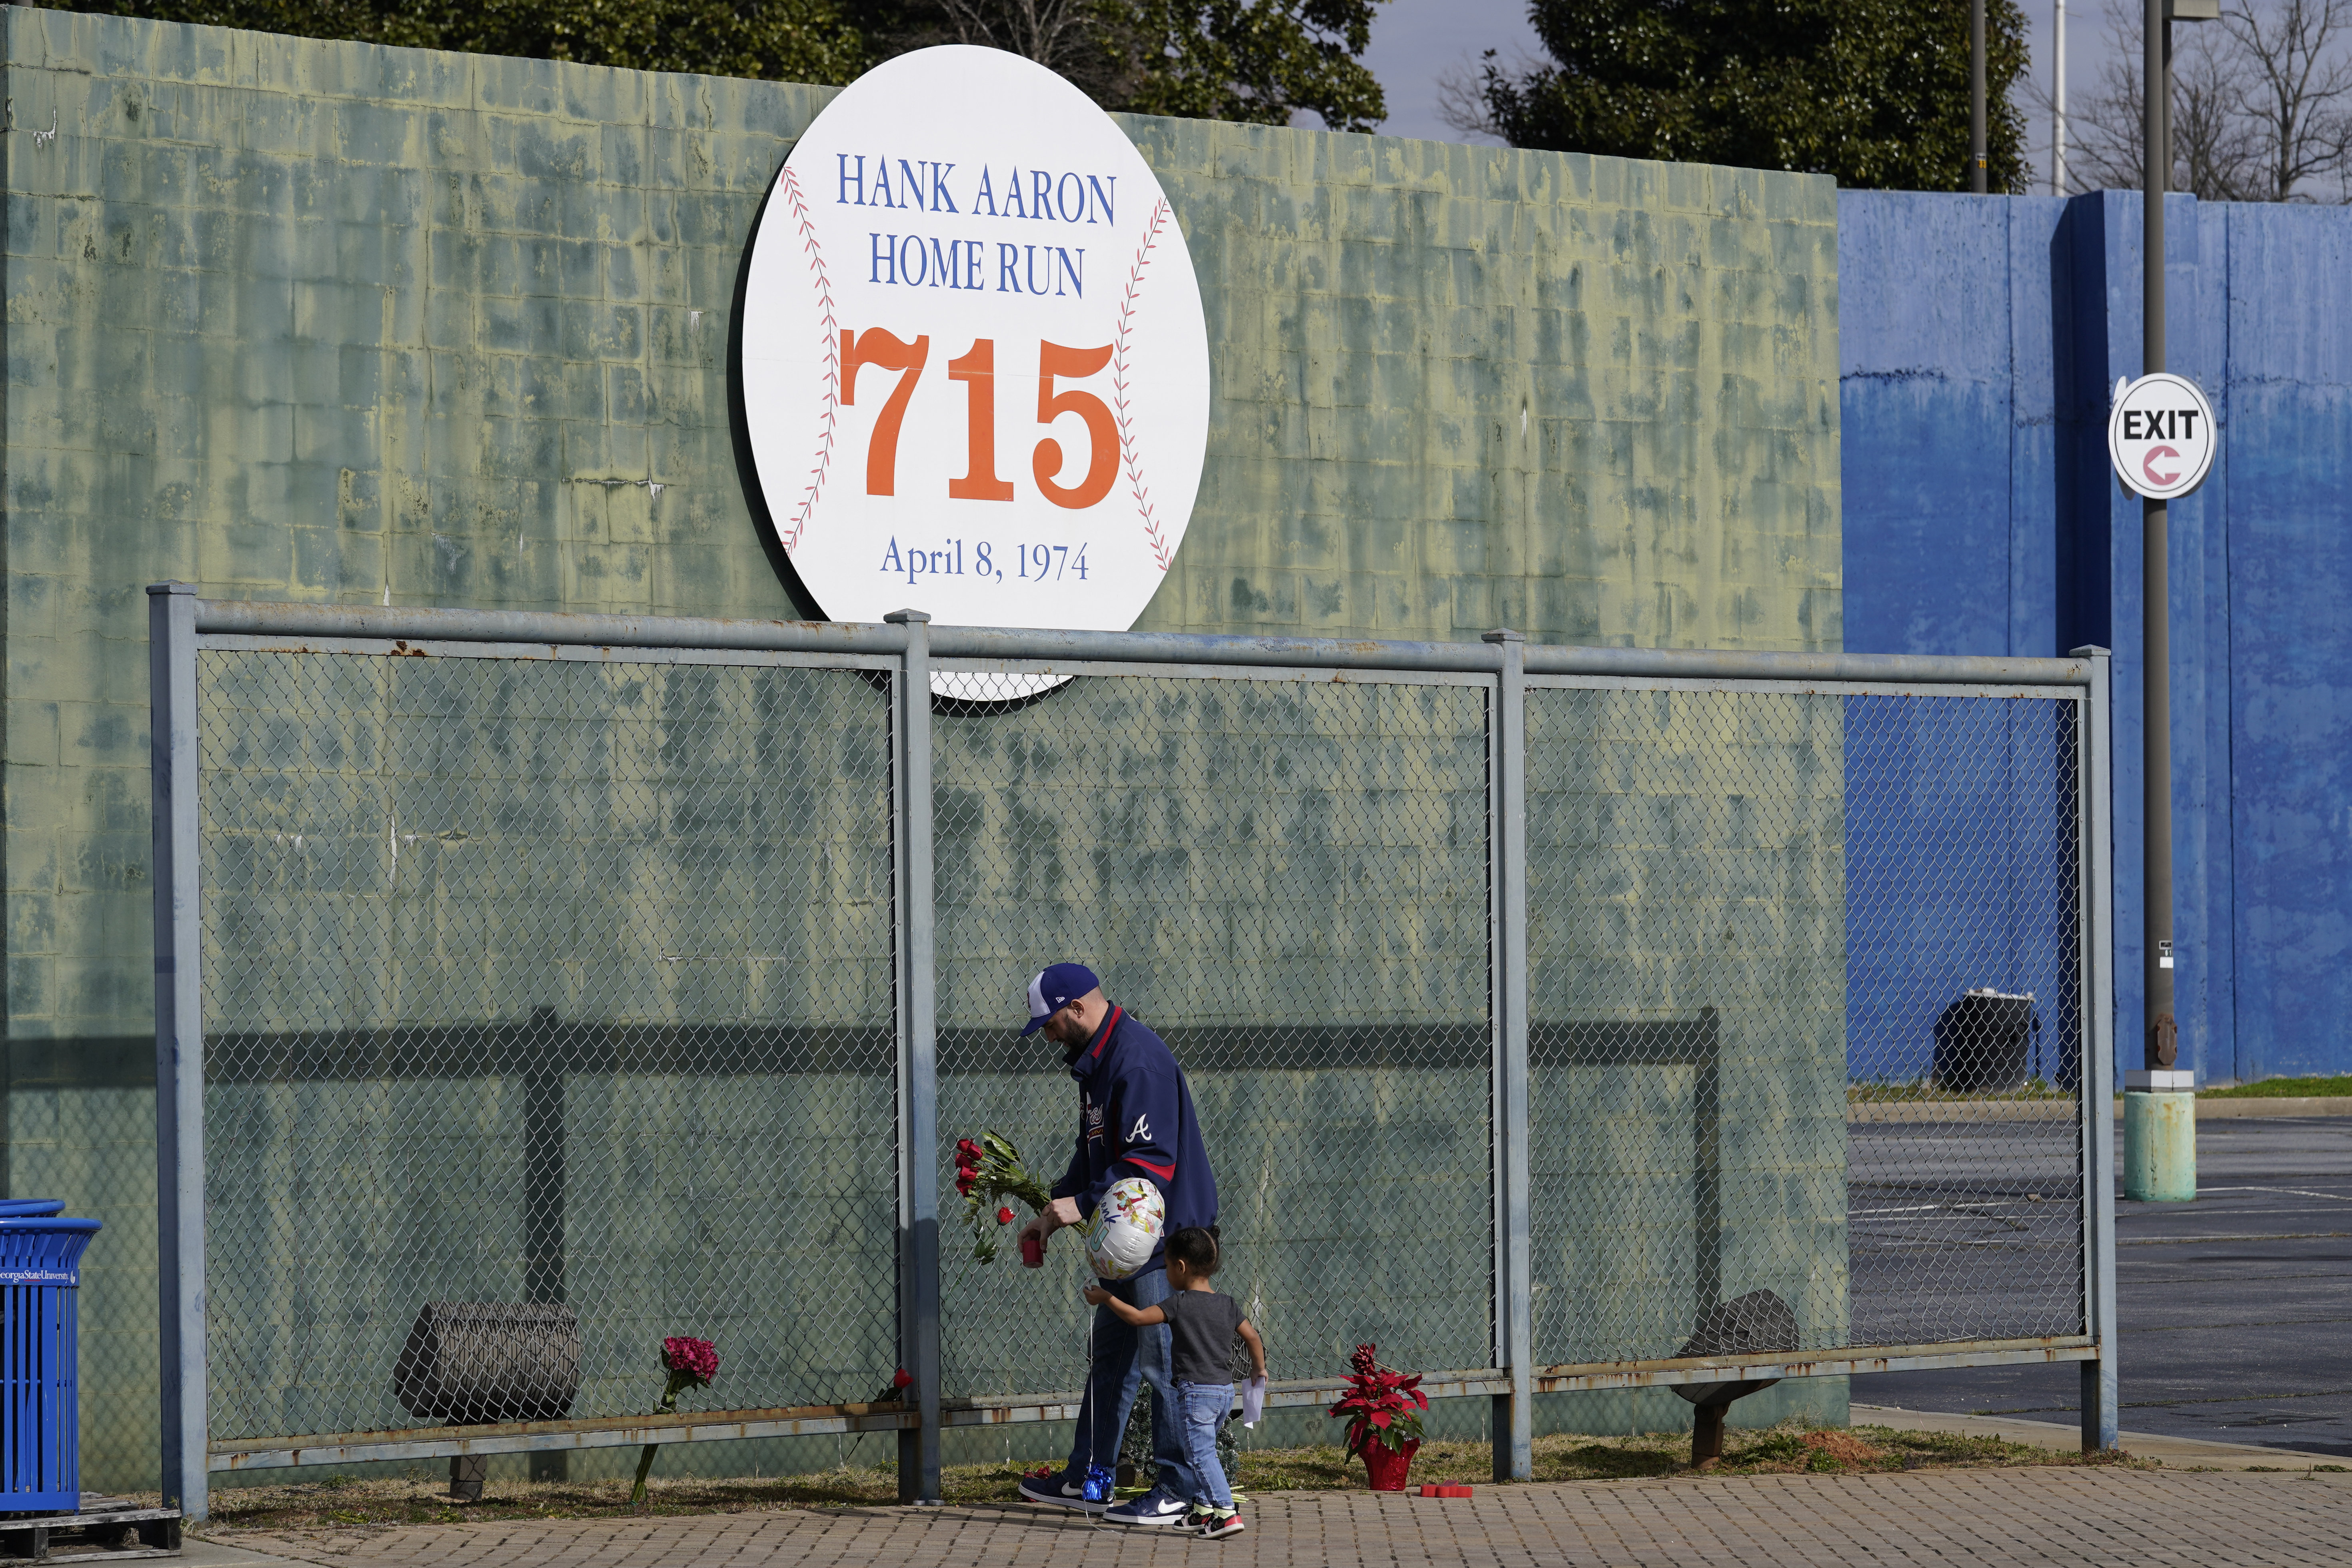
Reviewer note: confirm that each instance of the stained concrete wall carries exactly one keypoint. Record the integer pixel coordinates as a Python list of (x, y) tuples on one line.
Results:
[(298, 320)]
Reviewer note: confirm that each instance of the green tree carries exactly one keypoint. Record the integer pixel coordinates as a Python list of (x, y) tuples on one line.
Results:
[(1259, 63), (783, 40), (1255, 60), (1258, 60), (1875, 92)]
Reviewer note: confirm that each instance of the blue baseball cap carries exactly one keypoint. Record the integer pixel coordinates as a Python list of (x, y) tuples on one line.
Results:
[(1054, 989)]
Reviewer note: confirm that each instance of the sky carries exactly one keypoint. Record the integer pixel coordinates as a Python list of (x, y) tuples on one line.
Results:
[(1415, 41)]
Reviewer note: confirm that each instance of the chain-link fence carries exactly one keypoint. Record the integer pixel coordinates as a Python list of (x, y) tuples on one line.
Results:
[(535, 983), (1287, 879), (558, 995), (1752, 917)]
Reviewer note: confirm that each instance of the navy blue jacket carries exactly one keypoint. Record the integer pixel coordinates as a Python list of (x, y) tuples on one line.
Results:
[(1136, 1119)]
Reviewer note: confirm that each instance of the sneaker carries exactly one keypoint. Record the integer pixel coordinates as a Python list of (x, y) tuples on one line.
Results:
[(1199, 1514), (1158, 1506), (1060, 1488), (1222, 1522)]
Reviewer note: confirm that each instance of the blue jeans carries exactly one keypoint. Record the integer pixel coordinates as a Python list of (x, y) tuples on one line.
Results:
[(1204, 1407), (1124, 1359)]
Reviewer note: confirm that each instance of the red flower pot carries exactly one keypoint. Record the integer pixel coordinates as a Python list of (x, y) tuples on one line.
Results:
[(1389, 1465)]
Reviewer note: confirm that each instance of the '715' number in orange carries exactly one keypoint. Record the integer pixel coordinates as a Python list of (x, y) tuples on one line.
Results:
[(976, 368)]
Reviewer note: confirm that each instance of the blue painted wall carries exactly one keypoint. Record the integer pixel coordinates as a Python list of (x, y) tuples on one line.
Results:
[(1980, 338)]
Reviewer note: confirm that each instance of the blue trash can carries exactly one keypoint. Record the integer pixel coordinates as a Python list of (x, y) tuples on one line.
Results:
[(40, 1356)]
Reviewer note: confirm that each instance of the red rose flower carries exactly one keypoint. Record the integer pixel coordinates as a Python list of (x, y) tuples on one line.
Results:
[(696, 1359), (902, 1379), (1004, 1216)]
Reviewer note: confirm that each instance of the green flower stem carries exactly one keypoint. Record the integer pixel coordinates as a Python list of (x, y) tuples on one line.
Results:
[(669, 1406)]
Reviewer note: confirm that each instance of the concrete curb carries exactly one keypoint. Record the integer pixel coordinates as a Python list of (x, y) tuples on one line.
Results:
[(2209, 1107), (219, 1554), (2178, 1453), (1975, 1111)]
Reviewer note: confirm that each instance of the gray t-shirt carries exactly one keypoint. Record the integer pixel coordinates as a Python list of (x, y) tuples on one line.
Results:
[(1201, 1327)]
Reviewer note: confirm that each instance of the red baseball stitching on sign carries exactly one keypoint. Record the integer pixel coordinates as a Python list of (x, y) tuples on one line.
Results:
[(1129, 458), (832, 359)]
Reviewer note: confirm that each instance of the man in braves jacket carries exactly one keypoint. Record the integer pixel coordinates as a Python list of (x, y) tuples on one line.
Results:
[(1134, 1119)]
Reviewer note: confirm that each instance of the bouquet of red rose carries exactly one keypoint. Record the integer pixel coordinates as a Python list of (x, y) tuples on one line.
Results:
[(1379, 1405), (988, 1171), (690, 1364)]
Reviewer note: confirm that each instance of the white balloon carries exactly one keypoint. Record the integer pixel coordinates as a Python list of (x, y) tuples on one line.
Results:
[(1125, 1226)]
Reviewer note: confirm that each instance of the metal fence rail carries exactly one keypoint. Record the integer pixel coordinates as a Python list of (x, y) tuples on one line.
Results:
[(533, 986)]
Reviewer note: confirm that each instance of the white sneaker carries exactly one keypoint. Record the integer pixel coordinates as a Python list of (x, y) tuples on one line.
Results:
[(1158, 1506)]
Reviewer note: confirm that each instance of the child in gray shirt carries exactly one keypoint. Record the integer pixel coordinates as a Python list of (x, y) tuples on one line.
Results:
[(1200, 1327)]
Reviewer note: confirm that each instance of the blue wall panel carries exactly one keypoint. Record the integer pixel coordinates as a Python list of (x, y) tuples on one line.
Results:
[(1945, 327), (2289, 322), (1971, 322)]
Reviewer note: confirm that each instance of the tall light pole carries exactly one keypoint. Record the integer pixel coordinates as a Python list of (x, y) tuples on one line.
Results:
[(2156, 732), (2163, 1048), (2058, 106), (1977, 96), (2159, 1099)]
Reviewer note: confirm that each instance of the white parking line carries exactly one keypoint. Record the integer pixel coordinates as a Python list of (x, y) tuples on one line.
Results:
[(2291, 1192)]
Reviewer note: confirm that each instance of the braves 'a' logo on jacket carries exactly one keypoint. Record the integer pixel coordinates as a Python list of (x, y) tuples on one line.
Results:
[(1135, 1117)]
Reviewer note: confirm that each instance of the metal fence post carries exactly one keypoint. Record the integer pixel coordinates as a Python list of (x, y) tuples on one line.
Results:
[(2101, 1417), (1506, 744), (179, 1041), (918, 1082)]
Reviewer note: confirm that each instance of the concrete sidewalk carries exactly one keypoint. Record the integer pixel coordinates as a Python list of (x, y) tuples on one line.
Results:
[(2027, 1515)]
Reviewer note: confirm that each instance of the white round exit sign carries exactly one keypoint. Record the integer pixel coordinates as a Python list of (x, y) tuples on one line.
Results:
[(2160, 435)]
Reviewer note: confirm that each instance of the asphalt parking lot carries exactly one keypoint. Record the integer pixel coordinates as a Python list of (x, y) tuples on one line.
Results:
[(2232, 1309)]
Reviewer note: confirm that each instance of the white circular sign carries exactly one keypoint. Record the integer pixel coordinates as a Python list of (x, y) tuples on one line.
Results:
[(2160, 435), (975, 371)]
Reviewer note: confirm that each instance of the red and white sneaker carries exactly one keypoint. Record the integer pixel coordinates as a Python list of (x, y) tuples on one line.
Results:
[(1223, 1522)]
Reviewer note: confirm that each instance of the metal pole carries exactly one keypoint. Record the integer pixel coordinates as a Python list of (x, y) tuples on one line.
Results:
[(2096, 1073), (1514, 1417), (1977, 96), (2156, 732), (918, 1077), (2058, 107), (179, 1042)]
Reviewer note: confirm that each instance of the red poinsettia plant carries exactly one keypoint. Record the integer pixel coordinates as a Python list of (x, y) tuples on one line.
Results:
[(1380, 1406), (988, 1171)]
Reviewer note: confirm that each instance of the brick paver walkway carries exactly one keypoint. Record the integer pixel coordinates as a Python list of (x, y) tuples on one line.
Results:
[(1949, 1517)]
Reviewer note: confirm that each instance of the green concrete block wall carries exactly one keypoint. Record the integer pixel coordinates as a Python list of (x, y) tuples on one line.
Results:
[(297, 320), (1686, 863)]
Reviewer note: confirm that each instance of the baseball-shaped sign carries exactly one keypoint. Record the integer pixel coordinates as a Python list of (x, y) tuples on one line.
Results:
[(975, 371), (2160, 435)]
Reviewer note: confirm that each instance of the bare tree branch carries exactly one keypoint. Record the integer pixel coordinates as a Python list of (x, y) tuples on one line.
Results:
[(2262, 105), (1461, 99), (2296, 86)]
